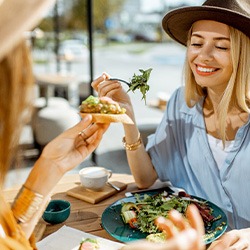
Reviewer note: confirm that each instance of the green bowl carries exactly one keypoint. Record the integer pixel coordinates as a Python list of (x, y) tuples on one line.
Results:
[(57, 211)]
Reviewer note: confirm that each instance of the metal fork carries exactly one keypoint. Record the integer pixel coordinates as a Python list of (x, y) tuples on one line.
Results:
[(113, 186), (120, 80)]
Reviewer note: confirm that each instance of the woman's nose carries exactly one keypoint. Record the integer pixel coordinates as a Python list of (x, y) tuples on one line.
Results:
[(206, 53)]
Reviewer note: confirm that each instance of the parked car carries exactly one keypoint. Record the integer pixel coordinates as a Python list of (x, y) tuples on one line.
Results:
[(73, 50), (120, 38)]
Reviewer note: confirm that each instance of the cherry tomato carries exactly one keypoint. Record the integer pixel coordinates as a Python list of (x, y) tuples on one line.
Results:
[(133, 223)]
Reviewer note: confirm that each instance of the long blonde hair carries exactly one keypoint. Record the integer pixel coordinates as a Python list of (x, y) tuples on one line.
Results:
[(16, 81), (237, 93)]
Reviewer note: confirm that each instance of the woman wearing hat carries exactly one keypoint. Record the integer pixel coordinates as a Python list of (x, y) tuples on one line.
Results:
[(61, 155), (202, 143)]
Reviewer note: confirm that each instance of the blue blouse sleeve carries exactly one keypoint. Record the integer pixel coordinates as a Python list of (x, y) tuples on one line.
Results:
[(163, 145)]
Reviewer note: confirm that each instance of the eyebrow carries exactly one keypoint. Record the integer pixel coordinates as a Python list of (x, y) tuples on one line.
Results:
[(216, 38)]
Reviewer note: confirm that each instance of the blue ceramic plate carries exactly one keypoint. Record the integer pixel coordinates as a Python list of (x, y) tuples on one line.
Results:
[(112, 222)]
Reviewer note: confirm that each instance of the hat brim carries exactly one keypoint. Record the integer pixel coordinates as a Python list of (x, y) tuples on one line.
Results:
[(18, 16), (178, 22)]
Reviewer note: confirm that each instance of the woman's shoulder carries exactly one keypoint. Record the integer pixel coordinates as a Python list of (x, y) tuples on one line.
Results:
[(178, 97), (177, 104)]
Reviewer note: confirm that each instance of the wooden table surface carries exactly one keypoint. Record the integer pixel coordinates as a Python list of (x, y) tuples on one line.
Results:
[(84, 216)]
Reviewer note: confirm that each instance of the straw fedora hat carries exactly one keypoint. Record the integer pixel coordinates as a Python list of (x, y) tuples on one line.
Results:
[(17, 16), (235, 13)]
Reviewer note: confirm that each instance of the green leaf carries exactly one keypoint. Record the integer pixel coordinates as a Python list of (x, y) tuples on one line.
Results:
[(140, 82)]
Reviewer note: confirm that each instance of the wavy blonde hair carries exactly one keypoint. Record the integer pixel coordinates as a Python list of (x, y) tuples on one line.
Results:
[(237, 92), (16, 85)]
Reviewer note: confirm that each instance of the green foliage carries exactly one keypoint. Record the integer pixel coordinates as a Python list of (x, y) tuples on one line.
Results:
[(76, 17), (47, 24)]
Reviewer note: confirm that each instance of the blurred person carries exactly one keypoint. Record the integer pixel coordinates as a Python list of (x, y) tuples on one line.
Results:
[(59, 156), (202, 143)]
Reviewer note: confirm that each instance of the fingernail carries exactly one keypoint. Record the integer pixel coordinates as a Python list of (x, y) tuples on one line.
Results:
[(86, 118), (175, 214)]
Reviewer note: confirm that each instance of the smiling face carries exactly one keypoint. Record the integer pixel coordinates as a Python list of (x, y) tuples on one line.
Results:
[(209, 54)]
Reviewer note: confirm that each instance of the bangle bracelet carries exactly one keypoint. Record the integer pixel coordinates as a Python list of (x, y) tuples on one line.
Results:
[(26, 204), (132, 146)]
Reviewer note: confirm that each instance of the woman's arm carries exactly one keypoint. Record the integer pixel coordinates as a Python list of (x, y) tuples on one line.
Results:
[(138, 159), (58, 157)]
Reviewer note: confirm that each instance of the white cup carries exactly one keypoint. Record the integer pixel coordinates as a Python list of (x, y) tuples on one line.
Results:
[(94, 177)]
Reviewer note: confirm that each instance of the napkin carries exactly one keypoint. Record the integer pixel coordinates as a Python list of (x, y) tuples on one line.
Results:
[(68, 238)]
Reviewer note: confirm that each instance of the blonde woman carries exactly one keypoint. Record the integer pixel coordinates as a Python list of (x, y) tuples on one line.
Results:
[(202, 143)]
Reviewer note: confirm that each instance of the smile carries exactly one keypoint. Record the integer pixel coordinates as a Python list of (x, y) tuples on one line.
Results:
[(205, 71)]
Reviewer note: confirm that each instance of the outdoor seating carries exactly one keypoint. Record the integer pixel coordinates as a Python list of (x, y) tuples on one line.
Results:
[(50, 121)]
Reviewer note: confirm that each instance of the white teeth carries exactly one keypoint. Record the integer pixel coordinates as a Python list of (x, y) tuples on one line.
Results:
[(205, 69)]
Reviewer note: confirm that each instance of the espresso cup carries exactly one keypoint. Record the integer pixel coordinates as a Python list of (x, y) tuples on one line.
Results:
[(94, 178)]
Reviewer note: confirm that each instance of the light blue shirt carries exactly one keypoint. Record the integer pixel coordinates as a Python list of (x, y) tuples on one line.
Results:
[(181, 154)]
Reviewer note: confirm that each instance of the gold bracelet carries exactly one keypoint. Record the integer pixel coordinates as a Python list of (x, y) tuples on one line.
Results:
[(132, 146), (26, 204)]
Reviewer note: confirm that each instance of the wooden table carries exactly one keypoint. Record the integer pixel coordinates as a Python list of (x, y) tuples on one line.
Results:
[(84, 216)]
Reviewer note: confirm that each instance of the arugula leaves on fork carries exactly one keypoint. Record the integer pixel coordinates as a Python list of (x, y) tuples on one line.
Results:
[(140, 82)]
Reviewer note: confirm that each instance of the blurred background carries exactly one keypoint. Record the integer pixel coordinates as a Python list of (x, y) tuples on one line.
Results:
[(117, 32), (76, 42)]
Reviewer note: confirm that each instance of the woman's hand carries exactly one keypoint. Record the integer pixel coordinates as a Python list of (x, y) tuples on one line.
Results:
[(71, 147), (63, 154), (187, 237), (235, 239), (113, 90)]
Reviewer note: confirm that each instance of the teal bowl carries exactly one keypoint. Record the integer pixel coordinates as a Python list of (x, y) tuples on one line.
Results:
[(57, 211)]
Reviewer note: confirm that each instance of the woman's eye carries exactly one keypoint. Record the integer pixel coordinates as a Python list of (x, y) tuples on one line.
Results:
[(221, 48), (195, 44)]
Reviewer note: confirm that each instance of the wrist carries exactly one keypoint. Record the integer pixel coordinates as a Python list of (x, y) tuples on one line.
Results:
[(43, 176), (129, 111), (132, 146), (26, 204)]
